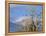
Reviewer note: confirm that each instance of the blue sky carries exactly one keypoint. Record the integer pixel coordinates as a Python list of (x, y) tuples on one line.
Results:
[(18, 10)]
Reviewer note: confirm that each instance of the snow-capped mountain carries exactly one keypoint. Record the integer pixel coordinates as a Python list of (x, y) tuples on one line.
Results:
[(24, 20)]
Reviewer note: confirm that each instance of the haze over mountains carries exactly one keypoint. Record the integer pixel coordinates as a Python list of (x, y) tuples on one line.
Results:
[(22, 22)]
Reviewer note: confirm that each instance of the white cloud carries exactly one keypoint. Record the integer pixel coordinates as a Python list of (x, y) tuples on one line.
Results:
[(21, 18)]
